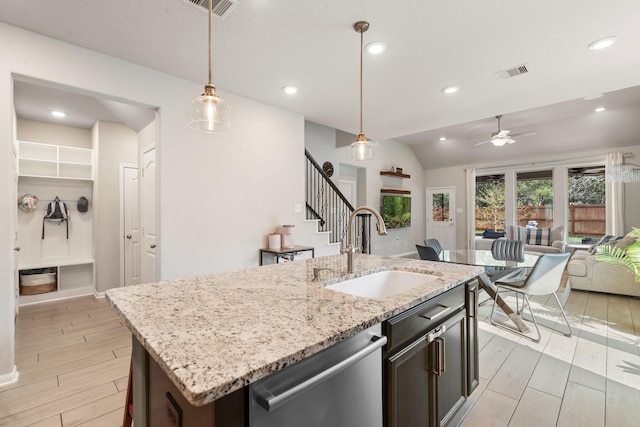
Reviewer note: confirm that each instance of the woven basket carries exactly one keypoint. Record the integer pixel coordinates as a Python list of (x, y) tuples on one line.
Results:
[(37, 289)]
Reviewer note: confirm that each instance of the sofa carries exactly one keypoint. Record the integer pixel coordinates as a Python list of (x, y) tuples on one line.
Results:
[(540, 240), (588, 274)]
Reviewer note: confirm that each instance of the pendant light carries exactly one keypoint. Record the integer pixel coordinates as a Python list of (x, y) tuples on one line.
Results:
[(362, 149), (209, 112)]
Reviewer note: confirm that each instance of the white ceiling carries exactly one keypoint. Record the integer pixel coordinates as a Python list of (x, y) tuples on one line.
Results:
[(264, 45)]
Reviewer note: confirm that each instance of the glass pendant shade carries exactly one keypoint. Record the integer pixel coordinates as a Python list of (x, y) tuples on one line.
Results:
[(625, 173), (362, 149), (209, 112)]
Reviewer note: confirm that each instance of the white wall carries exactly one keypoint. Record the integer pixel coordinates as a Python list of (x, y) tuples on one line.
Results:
[(455, 176), (116, 144), (219, 195), (320, 141)]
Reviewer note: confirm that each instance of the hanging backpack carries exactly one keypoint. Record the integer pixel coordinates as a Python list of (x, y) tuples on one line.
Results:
[(56, 212)]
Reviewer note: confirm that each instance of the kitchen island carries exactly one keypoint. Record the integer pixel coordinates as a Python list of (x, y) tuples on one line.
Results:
[(213, 335)]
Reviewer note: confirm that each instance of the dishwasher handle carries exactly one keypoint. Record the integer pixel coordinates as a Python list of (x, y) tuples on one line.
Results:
[(269, 401)]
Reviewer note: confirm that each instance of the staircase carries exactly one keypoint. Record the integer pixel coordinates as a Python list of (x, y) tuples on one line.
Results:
[(330, 210)]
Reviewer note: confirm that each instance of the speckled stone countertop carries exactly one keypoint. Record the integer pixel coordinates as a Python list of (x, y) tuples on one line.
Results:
[(215, 334)]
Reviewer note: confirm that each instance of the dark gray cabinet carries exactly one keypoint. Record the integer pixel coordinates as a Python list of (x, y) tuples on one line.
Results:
[(427, 380), (429, 369)]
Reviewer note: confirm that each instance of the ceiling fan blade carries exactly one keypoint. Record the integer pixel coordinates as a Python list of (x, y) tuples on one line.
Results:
[(532, 133), (483, 142), (503, 133)]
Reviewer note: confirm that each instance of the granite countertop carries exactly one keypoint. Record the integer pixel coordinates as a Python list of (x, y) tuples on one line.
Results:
[(215, 334)]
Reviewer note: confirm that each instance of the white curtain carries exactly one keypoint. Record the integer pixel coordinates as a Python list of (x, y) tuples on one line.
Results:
[(471, 208), (615, 199)]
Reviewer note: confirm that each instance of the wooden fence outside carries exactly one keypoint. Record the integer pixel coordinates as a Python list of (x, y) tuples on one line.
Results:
[(584, 220)]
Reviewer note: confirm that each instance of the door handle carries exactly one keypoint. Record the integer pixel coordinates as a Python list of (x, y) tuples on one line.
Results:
[(153, 246), (17, 249), (128, 236)]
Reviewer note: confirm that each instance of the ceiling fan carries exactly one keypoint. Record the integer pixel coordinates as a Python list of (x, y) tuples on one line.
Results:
[(502, 137), (588, 171)]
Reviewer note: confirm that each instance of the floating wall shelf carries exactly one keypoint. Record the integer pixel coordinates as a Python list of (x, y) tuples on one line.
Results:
[(396, 174), (394, 191)]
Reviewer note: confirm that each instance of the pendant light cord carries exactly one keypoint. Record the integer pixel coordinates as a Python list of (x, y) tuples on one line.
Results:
[(361, 56), (210, 39)]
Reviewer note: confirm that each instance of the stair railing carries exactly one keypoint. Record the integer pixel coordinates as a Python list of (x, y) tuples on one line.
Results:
[(326, 203)]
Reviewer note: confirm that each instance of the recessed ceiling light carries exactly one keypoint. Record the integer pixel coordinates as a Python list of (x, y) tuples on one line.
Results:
[(602, 43), (58, 114), (376, 48), (450, 89), (290, 90), (599, 109), (442, 138)]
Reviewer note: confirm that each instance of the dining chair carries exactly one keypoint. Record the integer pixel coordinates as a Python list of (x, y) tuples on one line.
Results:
[(509, 250), (544, 279), (427, 253), (435, 244)]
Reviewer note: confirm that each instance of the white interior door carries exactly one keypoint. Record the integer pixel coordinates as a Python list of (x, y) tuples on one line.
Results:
[(16, 247), (132, 251), (440, 216), (349, 189), (149, 223)]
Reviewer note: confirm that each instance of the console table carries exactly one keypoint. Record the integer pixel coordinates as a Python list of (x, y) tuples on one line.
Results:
[(288, 251)]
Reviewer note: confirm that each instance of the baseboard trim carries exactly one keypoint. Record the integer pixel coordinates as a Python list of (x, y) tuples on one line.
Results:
[(98, 294), (9, 378)]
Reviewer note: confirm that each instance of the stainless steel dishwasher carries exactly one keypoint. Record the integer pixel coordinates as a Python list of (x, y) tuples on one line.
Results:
[(338, 387)]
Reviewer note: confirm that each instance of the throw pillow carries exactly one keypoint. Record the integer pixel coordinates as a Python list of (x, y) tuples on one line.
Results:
[(625, 242), (514, 232), (606, 240), (539, 236)]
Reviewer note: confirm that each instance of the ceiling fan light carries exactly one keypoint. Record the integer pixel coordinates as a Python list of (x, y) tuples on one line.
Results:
[(498, 142)]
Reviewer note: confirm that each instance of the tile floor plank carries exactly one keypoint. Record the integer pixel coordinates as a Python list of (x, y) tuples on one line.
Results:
[(582, 406), (536, 409)]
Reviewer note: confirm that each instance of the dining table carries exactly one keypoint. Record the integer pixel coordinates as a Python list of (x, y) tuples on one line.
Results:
[(509, 268)]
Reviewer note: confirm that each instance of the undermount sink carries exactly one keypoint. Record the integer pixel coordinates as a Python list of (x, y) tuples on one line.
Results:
[(382, 284)]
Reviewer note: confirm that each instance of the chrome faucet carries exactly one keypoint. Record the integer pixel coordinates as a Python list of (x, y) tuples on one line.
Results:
[(382, 231)]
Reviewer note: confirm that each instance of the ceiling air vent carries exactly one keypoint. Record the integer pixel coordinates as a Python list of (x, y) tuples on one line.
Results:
[(221, 8), (512, 72)]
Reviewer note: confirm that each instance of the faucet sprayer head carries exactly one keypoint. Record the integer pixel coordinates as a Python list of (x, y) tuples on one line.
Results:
[(382, 230)]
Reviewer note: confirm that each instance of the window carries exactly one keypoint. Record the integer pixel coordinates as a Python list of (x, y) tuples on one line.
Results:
[(586, 197), (534, 195), (490, 203)]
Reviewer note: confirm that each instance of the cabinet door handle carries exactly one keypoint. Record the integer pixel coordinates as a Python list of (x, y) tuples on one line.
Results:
[(441, 355), (153, 246), (474, 304), (17, 249), (129, 236), (435, 312)]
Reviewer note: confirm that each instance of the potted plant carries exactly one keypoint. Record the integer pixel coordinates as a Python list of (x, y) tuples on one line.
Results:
[(628, 257)]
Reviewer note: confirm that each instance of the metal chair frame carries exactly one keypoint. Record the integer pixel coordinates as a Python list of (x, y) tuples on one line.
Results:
[(547, 265)]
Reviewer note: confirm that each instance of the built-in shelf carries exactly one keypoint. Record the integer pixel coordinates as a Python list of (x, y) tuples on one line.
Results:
[(54, 161), (396, 174), (394, 191)]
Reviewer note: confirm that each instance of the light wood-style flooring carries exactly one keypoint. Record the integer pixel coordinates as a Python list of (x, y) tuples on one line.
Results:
[(73, 357), (73, 360)]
